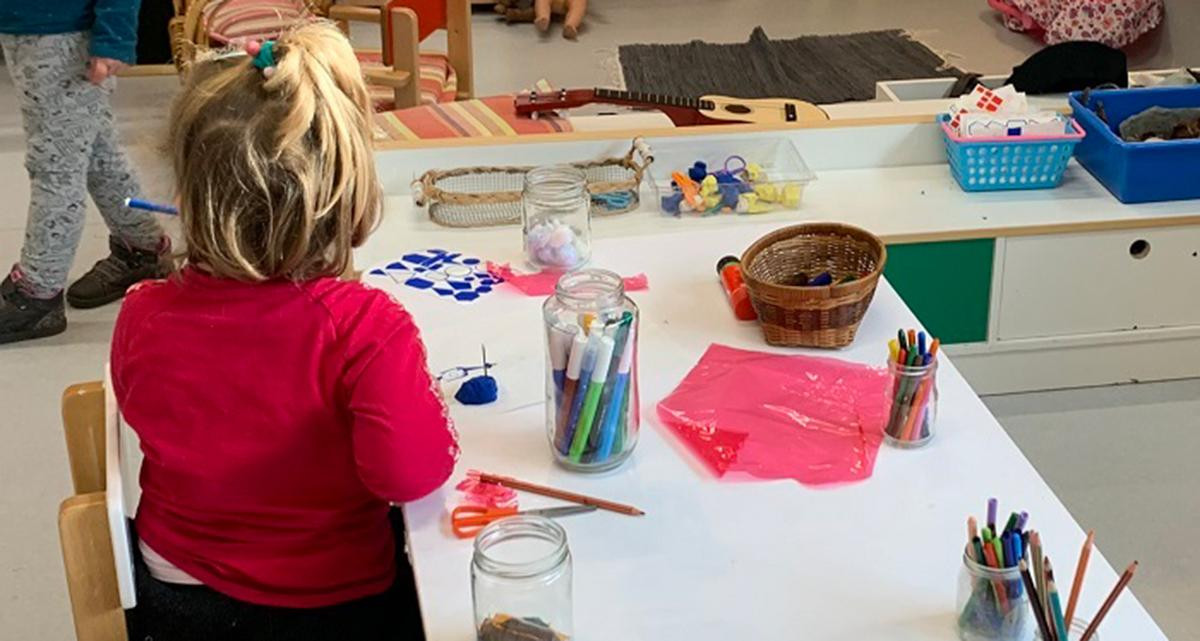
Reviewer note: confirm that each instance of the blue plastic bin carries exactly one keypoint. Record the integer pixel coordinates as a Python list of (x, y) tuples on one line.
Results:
[(1007, 163), (1138, 172)]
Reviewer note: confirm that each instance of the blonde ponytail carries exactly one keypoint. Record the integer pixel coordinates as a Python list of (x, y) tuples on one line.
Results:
[(276, 176)]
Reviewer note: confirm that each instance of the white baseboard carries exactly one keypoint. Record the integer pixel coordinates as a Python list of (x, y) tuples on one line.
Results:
[(1079, 361)]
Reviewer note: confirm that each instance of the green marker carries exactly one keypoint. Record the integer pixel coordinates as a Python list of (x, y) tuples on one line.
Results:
[(999, 551), (588, 414)]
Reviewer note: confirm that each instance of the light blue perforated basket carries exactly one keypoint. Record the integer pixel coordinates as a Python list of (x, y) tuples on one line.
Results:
[(1006, 163)]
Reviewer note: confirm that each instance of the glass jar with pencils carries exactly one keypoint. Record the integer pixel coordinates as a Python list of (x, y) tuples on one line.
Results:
[(913, 366), (521, 581), (993, 604), (556, 218), (591, 373)]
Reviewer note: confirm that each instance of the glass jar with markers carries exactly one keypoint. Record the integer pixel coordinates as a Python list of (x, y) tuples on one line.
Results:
[(556, 217), (591, 378)]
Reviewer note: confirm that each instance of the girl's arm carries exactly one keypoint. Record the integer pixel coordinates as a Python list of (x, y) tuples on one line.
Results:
[(404, 443)]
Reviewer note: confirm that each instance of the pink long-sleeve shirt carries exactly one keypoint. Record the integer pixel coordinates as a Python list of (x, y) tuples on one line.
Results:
[(278, 420)]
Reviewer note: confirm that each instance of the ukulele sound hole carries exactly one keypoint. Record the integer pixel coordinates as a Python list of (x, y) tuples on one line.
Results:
[(737, 109)]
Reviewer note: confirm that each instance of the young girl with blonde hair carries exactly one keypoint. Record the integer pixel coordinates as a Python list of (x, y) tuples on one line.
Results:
[(280, 409)]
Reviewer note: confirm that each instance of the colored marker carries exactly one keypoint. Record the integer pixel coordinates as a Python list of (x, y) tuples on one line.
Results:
[(1018, 548), (999, 546), (138, 203), (903, 338), (1012, 522), (1022, 520), (933, 347), (560, 349), (588, 414), (612, 416), (993, 505), (570, 384), (977, 544), (585, 381), (620, 335), (893, 350), (912, 338), (921, 343)]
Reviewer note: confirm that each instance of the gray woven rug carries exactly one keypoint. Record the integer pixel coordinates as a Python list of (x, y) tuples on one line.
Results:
[(819, 69)]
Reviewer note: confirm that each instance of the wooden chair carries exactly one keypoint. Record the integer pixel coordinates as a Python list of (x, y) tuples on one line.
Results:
[(400, 75), (83, 526)]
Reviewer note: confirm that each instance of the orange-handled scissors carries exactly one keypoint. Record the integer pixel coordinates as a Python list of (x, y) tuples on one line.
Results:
[(468, 520)]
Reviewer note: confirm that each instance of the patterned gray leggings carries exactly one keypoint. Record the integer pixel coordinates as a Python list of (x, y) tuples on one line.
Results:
[(72, 150)]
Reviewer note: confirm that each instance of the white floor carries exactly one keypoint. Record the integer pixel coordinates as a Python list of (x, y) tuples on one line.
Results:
[(1119, 457)]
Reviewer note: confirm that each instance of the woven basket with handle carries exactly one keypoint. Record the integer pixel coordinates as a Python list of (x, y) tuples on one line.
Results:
[(821, 316), (490, 196)]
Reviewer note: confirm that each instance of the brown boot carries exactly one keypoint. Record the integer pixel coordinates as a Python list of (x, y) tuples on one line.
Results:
[(108, 279)]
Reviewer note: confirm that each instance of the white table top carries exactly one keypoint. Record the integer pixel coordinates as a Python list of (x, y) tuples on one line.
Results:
[(720, 559)]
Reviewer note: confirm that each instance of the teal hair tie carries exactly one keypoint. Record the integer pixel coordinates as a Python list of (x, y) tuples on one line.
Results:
[(265, 58)]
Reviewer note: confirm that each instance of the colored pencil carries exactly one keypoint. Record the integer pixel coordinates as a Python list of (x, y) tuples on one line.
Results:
[(1080, 569), (1060, 626), (556, 493), (1126, 577), (1035, 601), (1039, 571)]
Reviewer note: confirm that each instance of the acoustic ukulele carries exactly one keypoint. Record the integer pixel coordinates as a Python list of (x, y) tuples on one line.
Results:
[(706, 110)]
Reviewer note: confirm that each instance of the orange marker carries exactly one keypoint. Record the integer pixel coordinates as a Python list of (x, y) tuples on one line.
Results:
[(691, 193)]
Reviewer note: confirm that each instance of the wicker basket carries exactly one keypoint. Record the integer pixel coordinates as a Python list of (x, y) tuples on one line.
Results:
[(490, 196), (822, 316)]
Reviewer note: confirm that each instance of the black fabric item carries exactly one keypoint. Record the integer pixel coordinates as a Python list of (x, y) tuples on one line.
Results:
[(169, 612), (819, 69), (1070, 66), (153, 41)]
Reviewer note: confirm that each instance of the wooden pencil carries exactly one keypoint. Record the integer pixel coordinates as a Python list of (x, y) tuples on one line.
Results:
[(1035, 601), (573, 497), (1080, 569), (1126, 577)]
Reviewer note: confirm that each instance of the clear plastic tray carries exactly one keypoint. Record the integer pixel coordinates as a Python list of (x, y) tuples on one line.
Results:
[(784, 172)]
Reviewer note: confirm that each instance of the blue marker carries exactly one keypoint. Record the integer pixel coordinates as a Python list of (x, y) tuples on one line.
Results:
[(612, 416), (138, 203), (585, 377), (920, 342)]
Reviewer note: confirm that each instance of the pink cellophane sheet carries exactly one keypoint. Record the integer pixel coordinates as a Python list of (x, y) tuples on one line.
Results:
[(542, 283), (816, 420)]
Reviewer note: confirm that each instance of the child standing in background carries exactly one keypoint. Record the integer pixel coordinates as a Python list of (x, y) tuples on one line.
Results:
[(62, 55), (280, 410)]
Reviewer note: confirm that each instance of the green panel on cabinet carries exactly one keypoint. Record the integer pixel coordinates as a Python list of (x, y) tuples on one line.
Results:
[(948, 285)]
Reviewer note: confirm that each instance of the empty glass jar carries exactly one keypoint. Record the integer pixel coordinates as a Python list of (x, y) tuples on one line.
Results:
[(556, 217), (591, 373), (521, 581)]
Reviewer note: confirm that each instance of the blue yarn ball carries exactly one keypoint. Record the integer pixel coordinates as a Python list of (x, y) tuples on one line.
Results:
[(480, 390)]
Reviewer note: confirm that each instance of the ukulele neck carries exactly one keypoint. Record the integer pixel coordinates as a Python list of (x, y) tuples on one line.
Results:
[(619, 96)]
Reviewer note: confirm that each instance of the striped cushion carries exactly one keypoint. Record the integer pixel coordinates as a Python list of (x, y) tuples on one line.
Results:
[(438, 83), (490, 117), (242, 20)]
